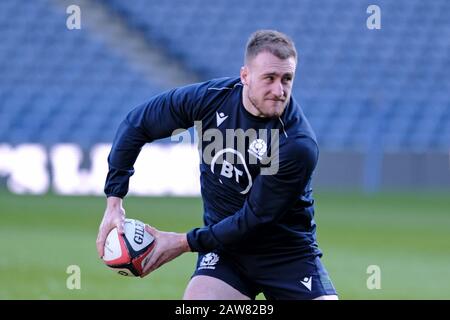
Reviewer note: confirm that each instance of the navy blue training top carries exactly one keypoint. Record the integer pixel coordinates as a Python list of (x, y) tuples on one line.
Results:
[(256, 190)]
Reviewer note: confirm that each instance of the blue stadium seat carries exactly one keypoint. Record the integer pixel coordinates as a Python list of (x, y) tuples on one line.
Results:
[(51, 77), (352, 82)]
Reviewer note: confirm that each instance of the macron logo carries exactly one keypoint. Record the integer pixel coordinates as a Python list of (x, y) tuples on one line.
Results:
[(307, 282), (220, 117)]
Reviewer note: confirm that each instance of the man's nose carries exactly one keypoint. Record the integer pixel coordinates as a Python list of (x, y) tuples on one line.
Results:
[(278, 90)]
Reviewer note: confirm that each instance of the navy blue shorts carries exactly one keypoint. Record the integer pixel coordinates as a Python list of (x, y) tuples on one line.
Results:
[(277, 277)]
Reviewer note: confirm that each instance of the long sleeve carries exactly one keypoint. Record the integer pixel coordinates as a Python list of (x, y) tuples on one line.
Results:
[(156, 119), (270, 198)]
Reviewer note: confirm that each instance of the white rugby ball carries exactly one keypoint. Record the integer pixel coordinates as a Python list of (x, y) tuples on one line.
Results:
[(128, 253)]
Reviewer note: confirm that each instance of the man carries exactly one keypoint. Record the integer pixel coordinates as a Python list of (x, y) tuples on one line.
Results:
[(259, 233)]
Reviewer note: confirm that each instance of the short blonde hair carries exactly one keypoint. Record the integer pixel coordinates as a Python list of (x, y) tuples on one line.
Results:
[(275, 42)]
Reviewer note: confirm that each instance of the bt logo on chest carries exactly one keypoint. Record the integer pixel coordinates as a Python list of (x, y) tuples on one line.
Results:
[(228, 170)]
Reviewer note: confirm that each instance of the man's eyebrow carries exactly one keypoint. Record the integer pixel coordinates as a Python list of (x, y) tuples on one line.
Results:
[(273, 73)]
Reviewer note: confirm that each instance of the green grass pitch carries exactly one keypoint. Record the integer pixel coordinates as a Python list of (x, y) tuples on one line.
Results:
[(406, 234)]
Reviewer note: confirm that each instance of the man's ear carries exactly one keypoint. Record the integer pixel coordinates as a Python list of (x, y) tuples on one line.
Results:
[(244, 75)]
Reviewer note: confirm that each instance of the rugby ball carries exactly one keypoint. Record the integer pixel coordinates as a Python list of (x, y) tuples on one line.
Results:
[(128, 253)]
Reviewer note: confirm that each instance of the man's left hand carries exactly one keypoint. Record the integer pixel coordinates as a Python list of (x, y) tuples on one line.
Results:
[(168, 246)]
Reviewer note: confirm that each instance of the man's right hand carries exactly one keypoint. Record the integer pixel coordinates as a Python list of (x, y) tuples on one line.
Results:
[(114, 217)]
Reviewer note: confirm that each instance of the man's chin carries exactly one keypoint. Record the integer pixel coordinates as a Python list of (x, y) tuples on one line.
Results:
[(275, 112)]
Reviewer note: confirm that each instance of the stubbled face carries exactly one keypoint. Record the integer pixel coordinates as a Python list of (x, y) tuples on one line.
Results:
[(267, 82)]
